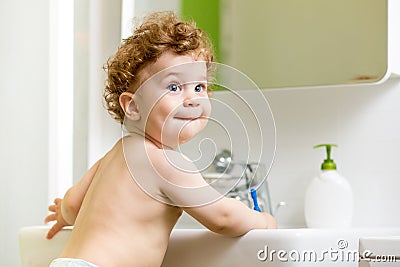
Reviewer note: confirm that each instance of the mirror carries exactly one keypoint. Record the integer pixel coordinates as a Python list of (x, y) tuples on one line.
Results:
[(286, 43), (291, 43)]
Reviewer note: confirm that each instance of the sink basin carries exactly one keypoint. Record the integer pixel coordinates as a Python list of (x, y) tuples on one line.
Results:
[(281, 247), (200, 247)]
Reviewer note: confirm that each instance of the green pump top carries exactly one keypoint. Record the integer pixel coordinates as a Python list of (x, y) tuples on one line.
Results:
[(328, 163)]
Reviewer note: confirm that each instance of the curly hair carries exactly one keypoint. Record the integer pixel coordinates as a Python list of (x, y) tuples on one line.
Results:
[(159, 32)]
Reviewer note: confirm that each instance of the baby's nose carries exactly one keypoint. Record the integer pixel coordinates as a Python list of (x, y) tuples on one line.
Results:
[(190, 102), (190, 98)]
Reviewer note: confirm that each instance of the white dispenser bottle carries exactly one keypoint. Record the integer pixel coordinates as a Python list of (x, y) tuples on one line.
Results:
[(329, 198)]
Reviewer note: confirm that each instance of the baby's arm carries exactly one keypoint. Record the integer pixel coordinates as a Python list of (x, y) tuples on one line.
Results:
[(186, 187), (66, 210), (231, 217)]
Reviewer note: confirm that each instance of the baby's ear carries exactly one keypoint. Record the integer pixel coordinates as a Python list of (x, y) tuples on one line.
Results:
[(127, 102)]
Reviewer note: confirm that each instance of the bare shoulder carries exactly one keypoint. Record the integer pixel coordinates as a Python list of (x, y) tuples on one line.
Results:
[(181, 182), (175, 167)]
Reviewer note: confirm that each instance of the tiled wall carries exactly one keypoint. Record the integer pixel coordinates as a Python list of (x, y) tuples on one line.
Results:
[(364, 121)]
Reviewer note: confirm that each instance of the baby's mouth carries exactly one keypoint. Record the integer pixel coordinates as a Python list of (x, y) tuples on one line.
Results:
[(186, 119), (189, 115)]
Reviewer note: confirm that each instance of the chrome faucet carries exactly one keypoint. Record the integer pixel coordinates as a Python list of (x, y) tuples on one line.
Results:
[(224, 163)]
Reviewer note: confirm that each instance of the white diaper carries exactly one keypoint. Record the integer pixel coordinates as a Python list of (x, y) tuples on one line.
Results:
[(66, 262)]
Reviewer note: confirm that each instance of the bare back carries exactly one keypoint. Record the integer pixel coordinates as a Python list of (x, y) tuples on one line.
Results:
[(119, 224)]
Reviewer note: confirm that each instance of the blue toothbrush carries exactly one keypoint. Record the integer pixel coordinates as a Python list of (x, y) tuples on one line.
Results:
[(253, 194)]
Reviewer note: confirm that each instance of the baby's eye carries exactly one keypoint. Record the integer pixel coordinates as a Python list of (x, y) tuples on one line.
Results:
[(173, 87), (199, 88)]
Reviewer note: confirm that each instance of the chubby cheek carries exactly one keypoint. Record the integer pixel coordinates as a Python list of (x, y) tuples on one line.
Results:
[(192, 128), (157, 122), (206, 104), (165, 128)]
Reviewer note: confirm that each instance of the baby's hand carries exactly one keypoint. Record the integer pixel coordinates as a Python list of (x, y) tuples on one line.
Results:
[(271, 222), (55, 216)]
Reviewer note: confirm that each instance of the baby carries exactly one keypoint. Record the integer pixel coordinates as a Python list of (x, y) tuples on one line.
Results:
[(124, 208)]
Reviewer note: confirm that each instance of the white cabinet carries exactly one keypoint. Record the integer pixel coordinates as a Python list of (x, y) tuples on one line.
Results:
[(295, 43)]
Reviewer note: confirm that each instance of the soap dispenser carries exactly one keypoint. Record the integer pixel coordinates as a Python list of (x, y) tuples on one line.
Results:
[(329, 198)]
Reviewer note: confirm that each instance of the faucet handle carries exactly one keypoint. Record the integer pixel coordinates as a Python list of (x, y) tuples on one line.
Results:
[(223, 161), (278, 207)]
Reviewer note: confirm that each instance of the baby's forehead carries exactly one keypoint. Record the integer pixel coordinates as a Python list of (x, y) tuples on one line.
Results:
[(171, 67), (170, 59), (187, 72), (184, 72)]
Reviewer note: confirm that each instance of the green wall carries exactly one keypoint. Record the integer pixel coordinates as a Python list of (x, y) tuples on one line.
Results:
[(206, 15)]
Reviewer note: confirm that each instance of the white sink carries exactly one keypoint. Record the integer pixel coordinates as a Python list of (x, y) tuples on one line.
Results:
[(200, 247), (380, 251), (282, 247)]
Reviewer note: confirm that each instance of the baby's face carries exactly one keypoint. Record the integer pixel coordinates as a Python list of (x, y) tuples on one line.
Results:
[(174, 102)]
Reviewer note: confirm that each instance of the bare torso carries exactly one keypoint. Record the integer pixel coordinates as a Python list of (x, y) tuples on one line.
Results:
[(119, 224)]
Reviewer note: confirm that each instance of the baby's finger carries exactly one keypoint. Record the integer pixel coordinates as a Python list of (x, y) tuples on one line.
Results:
[(52, 208), (53, 230), (50, 218)]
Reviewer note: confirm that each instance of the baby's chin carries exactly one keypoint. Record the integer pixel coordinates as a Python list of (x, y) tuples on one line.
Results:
[(191, 129)]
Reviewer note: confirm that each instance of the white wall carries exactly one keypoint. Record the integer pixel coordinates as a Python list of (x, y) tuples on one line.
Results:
[(104, 37), (24, 90), (364, 121), (24, 68)]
